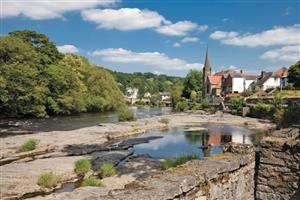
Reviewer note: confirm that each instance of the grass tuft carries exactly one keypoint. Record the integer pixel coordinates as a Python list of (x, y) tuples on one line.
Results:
[(47, 180), (82, 166), (170, 163), (107, 169), (126, 115), (92, 181), (29, 145), (164, 121)]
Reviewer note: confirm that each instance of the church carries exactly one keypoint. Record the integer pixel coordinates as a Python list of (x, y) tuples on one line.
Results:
[(212, 84)]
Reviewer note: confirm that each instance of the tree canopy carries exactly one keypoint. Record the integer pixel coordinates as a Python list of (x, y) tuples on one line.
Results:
[(192, 84), (37, 80), (294, 75)]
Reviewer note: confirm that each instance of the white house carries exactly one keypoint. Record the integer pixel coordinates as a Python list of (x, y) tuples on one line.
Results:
[(147, 95), (165, 96), (270, 80), (131, 95)]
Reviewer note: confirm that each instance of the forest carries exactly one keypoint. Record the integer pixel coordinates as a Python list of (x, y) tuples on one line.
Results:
[(36, 80)]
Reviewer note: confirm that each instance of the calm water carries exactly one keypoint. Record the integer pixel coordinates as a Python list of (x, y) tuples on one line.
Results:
[(75, 121), (178, 142)]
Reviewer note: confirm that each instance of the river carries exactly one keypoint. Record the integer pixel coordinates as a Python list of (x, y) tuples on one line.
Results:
[(71, 122)]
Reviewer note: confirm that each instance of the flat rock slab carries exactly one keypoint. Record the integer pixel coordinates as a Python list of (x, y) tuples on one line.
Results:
[(126, 144), (113, 157), (18, 179)]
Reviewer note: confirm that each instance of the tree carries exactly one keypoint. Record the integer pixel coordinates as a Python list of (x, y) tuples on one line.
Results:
[(294, 75), (193, 95), (192, 82)]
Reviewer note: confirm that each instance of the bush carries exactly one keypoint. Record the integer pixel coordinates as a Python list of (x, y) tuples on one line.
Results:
[(291, 115), (29, 145), (237, 103), (261, 110), (126, 115), (47, 180), (92, 181), (82, 166), (205, 103), (195, 106), (181, 105), (164, 121), (170, 163), (107, 169)]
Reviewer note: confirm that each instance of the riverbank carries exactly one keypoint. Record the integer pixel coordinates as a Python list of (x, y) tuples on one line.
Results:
[(56, 151)]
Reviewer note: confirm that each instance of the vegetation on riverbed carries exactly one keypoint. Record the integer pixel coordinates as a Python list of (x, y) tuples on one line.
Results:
[(107, 169), (170, 163), (92, 181), (47, 180), (36, 80), (29, 145), (126, 115), (82, 167), (165, 121)]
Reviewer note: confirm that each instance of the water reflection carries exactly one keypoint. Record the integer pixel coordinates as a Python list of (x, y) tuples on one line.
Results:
[(177, 142)]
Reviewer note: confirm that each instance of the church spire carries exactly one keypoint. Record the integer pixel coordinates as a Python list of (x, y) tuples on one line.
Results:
[(207, 63)]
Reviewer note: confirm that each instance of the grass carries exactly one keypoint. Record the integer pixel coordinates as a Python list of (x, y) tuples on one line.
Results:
[(82, 166), (107, 169), (260, 135), (164, 121), (92, 181), (170, 163), (126, 115), (47, 180), (29, 145)]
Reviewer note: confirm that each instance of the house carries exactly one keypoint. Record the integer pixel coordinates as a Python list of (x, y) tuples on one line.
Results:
[(165, 96), (147, 95), (282, 73), (236, 82), (214, 85), (268, 80), (131, 95)]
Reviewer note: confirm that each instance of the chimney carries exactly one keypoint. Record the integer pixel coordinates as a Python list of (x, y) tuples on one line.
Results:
[(241, 71), (263, 74)]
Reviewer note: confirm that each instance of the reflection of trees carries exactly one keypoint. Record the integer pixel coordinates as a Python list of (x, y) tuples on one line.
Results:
[(197, 137), (225, 139)]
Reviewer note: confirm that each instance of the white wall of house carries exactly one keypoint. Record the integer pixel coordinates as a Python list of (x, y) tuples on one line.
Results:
[(132, 93), (248, 83), (237, 85), (272, 82)]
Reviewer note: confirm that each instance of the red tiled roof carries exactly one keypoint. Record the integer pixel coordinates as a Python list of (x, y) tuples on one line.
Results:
[(215, 80), (219, 73)]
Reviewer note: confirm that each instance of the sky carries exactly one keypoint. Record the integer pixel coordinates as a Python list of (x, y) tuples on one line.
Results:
[(165, 36)]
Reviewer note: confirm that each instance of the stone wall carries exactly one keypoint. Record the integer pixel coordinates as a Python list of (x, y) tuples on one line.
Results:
[(278, 166)]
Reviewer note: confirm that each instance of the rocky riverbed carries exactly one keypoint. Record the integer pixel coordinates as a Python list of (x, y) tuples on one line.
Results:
[(58, 150)]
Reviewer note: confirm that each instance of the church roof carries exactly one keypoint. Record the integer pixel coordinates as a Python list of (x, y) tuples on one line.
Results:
[(214, 80)]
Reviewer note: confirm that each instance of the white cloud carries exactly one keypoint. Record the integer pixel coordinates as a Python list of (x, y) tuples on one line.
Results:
[(217, 35), (189, 39), (180, 28), (155, 59), (123, 19), (68, 48), (45, 9), (277, 36), (286, 53), (176, 44)]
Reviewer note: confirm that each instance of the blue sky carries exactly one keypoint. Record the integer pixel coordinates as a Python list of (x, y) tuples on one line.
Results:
[(165, 36)]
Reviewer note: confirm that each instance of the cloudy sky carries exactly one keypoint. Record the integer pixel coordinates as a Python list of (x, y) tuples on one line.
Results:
[(165, 36)]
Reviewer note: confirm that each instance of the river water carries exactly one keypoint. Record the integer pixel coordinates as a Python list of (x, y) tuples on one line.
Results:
[(179, 142), (72, 122)]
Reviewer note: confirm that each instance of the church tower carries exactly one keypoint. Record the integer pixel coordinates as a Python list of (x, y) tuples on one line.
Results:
[(206, 73)]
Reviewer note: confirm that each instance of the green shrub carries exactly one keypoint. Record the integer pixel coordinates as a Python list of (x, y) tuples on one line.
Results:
[(92, 181), (47, 180), (261, 110), (107, 169), (170, 163), (82, 166), (237, 103), (195, 106), (205, 103), (29, 145), (126, 115), (164, 121), (181, 105)]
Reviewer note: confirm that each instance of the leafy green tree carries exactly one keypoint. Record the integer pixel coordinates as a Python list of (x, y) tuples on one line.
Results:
[(20, 91), (192, 82), (193, 95), (294, 75)]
